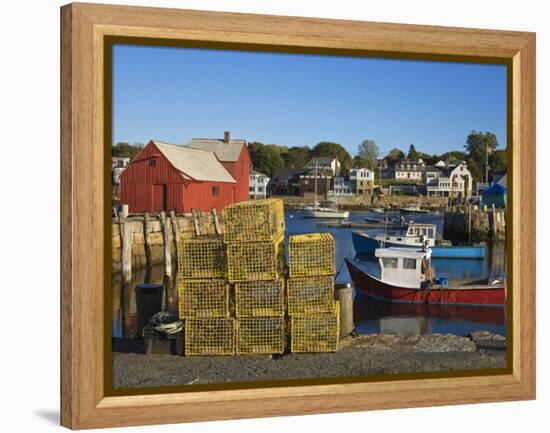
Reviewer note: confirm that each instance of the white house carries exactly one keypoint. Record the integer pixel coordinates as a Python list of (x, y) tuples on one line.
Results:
[(455, 182), (361, 180), (258, 185), (342, 187), (118, 164), (409, 170), (325, 163)]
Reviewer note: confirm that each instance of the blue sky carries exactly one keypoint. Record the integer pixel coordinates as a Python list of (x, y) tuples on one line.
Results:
[(174, 94)]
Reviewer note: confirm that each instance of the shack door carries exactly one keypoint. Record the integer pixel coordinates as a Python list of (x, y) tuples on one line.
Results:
[(159, 197)]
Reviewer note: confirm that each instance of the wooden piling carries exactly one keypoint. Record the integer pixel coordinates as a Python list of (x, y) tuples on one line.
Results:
[(196, 222), (147, 247), (344, 294), (175, 229), (167, 259), (126, 262), (216, 221)]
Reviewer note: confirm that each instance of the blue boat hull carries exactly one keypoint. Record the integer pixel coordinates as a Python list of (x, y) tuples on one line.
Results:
[(459, 252), (367, 245)]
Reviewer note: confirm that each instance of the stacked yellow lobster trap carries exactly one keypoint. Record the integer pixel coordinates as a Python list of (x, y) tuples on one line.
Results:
[(204, 297), (314, 315), (232, 291)]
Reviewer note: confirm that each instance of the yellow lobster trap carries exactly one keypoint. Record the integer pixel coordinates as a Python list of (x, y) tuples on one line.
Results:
[(201, 258), (315, 332), (210, 336), (311, 254), (260, 335), (255, 261), (254, 220), (259, 298), (203, 298), (310, 295)]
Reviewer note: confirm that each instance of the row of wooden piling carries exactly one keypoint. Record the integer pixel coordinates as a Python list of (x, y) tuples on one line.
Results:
[(171, 236), (472, 223)]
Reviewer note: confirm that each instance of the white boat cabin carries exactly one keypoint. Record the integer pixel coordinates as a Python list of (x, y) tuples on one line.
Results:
[(419, 230), (417, 235), (404, 267)]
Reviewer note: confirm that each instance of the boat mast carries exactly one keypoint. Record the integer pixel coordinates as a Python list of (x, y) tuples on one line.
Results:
[(315, 187)]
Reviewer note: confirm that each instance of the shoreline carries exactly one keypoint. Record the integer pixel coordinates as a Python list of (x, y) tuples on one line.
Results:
[(364, 355)]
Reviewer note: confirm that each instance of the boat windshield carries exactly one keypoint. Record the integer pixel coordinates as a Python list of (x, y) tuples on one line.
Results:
[(418, 231)]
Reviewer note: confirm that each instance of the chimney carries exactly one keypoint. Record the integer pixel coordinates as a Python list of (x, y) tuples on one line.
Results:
[(227, 136)]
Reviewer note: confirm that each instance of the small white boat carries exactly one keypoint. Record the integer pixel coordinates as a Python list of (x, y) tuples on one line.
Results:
[(324, 212), (327, 209), (377, 210)]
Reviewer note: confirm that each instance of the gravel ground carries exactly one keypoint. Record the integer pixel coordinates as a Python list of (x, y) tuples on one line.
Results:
[(359, 356)]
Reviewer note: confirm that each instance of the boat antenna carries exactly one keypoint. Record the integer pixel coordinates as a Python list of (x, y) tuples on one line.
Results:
[(315, 188)]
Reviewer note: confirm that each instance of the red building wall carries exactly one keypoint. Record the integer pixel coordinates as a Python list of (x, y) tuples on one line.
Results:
[(240, 170), (152, 187)]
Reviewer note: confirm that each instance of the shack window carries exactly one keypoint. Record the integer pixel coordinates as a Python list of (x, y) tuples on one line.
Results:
[(389, 262), (215, 190), (152, 162), (409, 263)]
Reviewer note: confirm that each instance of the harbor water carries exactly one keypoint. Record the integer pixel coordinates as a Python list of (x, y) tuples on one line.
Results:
[(370, 316)]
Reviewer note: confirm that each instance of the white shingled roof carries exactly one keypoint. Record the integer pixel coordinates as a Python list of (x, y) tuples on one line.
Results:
[(194, 163), (224, 151)]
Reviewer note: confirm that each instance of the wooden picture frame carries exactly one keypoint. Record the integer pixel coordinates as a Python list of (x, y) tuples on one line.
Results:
[(85, 27)]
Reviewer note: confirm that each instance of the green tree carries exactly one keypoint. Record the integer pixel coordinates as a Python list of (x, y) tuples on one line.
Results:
[(126, 150), (430, 159), (477, 145), (267, 159), (395, 155), (334, 150), (297, 156), (253, 148), (498, 160), (358, 162), (453, 154), (368, 151), (413, 154)]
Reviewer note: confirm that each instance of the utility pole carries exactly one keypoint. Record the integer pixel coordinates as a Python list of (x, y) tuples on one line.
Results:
[(487, 164)]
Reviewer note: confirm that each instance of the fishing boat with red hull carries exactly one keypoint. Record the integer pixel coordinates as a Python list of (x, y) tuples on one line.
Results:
[(405, 275)]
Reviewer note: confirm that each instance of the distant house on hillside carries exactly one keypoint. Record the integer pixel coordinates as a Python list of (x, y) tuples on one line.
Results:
[(382, 164), (166, 176), (455, 182), (409, 170), (234, 156), (286, 181), (432, 172), (325, 163), (361, 180), (341, 187), (258, 185), (118, 164), (322, 178)]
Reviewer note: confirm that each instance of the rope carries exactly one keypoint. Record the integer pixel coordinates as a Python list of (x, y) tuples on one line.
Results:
[(166, 322)]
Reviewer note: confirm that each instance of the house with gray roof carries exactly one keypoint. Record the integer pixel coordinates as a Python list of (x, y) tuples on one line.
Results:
[(323, 163)]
